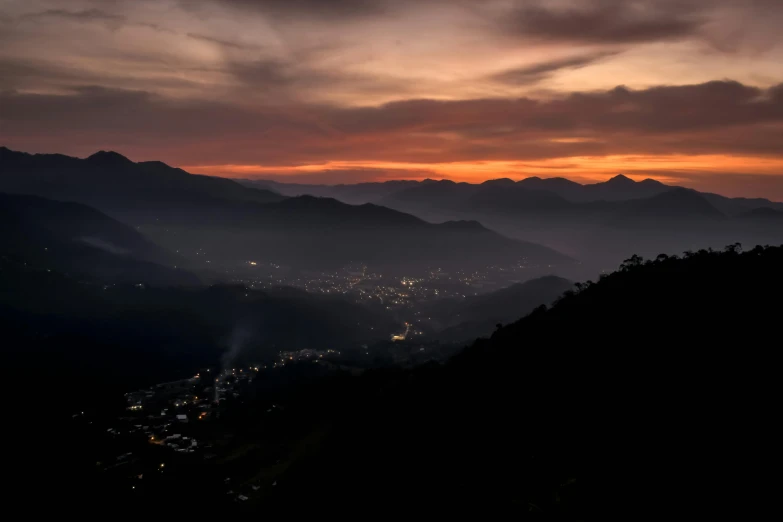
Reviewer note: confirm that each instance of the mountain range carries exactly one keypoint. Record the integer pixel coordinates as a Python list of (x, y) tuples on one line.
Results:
[(114, 184), (597, 223), (618, 188), (83, 243), (222, 222)]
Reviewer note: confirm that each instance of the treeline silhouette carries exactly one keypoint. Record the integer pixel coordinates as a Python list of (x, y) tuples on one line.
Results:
[(651, 389)]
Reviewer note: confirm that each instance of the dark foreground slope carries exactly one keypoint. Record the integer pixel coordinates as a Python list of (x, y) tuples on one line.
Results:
[(653, 391), (463, 320), (648, 391)]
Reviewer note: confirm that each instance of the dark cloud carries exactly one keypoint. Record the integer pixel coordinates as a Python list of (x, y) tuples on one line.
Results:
[(18, 74), (658, 109), (272, 74), (83, 16), (710, 118), (322, 9), (534, 73), (93, 15), (289, 80), (224, 43), (608, 21)]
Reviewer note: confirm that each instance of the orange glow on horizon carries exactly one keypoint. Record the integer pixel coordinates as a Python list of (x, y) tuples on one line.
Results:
[(580, 168)]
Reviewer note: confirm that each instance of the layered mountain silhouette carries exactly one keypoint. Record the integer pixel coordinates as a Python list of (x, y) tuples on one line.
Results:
[(676, 205), (555, 198), (219, 221), (310, 232), (354, 194), (80, 241), (112, 183), (618, 188), (596, 223)]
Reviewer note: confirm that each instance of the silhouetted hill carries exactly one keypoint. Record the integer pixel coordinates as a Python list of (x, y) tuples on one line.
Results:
[(763, 214), (220, 222), (736, 206), (500, 182), (331, 212), (679, 205), (618, 188), (514, 200), (493, 197), (441, 194), (651, 387), (354, 194), (317, 233), (112, 183), (80, 241), (595, 223), (477, 316), (561, 186)]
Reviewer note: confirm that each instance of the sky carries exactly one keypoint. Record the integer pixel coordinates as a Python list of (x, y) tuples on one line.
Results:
[(689, 92)]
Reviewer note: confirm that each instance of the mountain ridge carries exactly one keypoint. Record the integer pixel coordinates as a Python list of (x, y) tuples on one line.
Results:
[(569, 189), (221, 222), (81, 242)]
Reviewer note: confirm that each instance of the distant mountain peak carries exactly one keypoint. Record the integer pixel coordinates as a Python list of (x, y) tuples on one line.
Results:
[(621, 179), (546, 183), (109, 157), (763, 213), (679, 202), (158, 164), (463, 224), (499, 181)]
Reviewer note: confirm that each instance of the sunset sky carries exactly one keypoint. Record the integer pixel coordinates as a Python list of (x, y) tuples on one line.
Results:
[(340, 91)]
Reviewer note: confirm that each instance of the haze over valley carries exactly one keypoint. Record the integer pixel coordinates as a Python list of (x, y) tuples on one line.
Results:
[(308, 259)]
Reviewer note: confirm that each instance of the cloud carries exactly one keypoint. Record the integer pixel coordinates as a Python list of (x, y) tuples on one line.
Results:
[(224, 43), (322, 9), (530, 74), (607, 21), (288, 80), (666, 109), (23, 75), (711, 118), (111, 20), (354, 52)]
